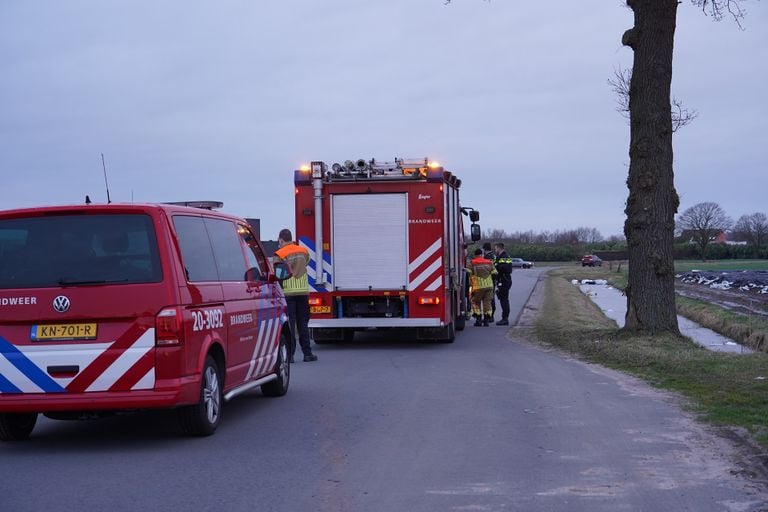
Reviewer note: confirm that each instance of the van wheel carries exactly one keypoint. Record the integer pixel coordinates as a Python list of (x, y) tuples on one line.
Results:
[(202, 418), (279, 386), (16, 427)]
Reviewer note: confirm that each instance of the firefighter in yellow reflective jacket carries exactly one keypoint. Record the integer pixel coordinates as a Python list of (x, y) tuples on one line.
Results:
[(482, 272), (296, 290)]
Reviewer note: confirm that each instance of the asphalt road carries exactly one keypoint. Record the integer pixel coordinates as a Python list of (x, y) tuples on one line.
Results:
[(488, 423)]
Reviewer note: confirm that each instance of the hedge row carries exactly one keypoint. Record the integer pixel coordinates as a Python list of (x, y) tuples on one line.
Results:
[(533, 252)]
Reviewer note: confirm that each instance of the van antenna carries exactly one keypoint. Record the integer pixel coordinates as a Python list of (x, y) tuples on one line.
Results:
[(104, 166)]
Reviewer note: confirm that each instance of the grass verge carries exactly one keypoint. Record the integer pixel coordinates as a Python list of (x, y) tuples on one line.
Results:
[(749, 330), (715, 265), (725, 389)]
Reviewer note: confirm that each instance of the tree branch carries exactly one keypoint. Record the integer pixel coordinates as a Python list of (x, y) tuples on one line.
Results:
[(620, 83), (718, 9)]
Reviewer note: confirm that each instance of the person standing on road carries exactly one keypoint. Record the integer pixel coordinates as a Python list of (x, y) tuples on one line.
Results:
[(296, 290), (503, 264), (490, 255), (482, 271)]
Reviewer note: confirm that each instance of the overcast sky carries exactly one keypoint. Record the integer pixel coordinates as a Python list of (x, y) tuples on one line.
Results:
[(193, 100)]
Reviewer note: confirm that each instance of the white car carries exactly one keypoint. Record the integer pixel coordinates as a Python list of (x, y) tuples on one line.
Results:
[(521, 263)]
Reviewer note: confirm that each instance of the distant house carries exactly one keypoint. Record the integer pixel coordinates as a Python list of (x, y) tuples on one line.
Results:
[(691, 236)]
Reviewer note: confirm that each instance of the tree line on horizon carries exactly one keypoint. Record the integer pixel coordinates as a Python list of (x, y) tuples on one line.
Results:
[(698, 228)]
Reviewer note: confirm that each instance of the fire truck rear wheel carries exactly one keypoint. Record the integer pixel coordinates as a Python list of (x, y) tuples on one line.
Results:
[(347, 336), (450, 333), (17, 427), (279, 386), (460, 321), (202, 418)]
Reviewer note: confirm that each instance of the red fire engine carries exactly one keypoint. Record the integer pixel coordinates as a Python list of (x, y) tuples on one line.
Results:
[(386, 241)]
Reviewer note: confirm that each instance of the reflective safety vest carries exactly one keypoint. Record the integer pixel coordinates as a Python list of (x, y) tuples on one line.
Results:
[(297, 258), (482, 273)]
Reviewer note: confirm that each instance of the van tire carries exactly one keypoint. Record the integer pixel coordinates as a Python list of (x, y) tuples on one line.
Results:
[(17, 427), (202, 418), (279, 386)]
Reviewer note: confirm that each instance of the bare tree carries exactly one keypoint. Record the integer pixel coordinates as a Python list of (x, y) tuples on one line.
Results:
[(704, 221), (495, 234), (587, 235), (753, 228), (653, 200), (544, 237), (567, 237), (620, 84)]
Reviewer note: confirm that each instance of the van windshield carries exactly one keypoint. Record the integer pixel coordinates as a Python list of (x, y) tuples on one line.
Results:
[(78, 250)]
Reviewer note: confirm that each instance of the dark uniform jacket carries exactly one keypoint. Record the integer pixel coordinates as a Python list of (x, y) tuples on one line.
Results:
[(503, 265)]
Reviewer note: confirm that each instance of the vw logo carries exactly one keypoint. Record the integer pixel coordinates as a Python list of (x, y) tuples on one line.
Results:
[(61, 304)]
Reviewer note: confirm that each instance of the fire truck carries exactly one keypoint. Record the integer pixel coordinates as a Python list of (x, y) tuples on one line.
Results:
[(387, 247)]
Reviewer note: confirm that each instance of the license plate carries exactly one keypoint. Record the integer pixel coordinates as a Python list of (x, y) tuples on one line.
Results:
[(63, 332), (320, 309)]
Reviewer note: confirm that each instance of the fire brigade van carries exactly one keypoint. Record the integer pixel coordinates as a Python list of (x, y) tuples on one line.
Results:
[(107, 308), (386, 240)]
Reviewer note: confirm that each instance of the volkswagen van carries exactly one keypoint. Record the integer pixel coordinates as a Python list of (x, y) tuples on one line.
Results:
[(107, 308)]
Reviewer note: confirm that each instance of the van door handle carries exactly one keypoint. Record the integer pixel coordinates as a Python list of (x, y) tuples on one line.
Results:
[(63, 371)]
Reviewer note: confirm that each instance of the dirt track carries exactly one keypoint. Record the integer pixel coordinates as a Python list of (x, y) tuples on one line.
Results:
[(748, 303)]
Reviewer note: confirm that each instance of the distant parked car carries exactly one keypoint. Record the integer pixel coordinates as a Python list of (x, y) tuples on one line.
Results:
[(521, 263), (590, 260)]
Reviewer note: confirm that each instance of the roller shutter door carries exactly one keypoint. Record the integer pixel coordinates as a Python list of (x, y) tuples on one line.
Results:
[(370, 241)]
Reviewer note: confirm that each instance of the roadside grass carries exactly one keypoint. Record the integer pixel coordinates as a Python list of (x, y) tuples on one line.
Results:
[(722, 388), (715, 265), (556, 263)]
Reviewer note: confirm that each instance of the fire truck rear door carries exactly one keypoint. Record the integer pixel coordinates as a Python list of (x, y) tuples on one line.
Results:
[(370, 241)]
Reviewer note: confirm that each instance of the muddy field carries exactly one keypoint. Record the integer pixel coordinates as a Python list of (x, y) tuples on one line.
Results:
[(741, 291)]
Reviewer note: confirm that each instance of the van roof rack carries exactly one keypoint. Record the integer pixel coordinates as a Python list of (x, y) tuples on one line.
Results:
[(205, 205)]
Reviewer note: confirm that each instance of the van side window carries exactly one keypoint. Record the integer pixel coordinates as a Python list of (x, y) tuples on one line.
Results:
[(253, 253), (196, 252), (226, 249)]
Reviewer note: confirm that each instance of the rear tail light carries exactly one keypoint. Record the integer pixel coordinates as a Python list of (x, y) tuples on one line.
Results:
[(315, 301), (433, 301), (168, 327)]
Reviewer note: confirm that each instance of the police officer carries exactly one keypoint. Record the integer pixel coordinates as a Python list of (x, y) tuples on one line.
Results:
[(490, 255), (296, 290), (503, 265)]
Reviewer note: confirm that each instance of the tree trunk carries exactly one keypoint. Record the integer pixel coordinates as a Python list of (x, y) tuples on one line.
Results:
[(652, 201)]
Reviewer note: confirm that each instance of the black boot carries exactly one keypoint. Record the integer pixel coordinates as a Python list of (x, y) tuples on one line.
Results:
[(478, 321), (486, 321)]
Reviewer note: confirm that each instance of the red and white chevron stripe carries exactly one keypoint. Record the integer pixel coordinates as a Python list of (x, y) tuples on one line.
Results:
[(426, 270)]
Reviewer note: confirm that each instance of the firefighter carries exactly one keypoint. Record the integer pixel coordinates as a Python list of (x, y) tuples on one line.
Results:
[(503, 264), (296, 290), (482, 288), (490, 255)]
